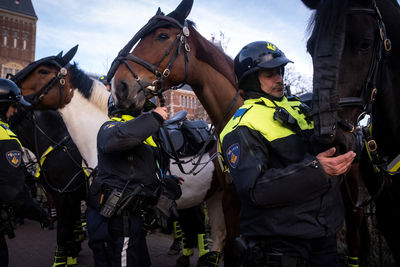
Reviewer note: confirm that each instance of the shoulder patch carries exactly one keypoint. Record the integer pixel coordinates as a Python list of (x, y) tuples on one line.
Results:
[(233, 154), (14, 158), (240, 112), (109, 125)]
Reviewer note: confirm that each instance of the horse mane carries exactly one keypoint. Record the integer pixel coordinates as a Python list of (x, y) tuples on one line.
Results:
[(94, 91), (324, 20), (209, 53)]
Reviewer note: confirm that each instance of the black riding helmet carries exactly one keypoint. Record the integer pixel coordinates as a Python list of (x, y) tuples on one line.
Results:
[(10, 93), (103, 79), (257, 55)]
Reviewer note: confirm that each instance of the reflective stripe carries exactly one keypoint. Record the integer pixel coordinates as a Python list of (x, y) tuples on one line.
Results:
[(124, 258), (42, 159), (258, 114), (6, 133)]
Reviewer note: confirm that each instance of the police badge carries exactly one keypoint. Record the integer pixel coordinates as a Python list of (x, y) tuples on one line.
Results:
[(14, 158), (233, 153)]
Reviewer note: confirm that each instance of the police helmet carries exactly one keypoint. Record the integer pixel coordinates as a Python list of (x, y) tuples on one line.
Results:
[(103, 79), (257, 55), (10, 93)]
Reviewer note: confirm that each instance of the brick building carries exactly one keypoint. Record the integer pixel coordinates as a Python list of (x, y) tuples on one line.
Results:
[(17, 35)]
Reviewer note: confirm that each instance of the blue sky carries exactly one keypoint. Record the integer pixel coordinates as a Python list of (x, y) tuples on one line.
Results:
[(103, 27)]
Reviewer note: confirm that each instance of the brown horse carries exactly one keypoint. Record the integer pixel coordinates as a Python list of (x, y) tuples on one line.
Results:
[(355, 49), (171, 52)]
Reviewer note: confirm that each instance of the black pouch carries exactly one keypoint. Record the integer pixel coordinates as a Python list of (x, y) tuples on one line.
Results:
[(95, 195), (196, 134)]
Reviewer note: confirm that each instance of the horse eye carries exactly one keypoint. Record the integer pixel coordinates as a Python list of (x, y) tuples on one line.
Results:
[(365, 45), (163, 36), (42, 71)]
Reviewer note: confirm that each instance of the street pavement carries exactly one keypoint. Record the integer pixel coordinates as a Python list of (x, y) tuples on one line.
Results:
[(34, 247)]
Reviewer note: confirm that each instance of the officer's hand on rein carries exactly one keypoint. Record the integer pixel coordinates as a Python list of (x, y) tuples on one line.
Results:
[(162, 111), (334, 166)]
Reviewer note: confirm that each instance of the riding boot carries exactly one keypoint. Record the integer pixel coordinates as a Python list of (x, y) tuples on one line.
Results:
[(60, 257), (176, 247)]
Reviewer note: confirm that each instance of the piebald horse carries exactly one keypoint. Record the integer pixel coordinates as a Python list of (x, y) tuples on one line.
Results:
[(87, 111)]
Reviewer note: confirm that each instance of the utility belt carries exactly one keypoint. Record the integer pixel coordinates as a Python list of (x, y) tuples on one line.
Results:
[(110, 201), (256, 253)]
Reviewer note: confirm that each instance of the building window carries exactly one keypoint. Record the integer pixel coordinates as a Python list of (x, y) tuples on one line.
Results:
[(193, 103), (15, 38), (25, 38), (6, 70), (5, 34)]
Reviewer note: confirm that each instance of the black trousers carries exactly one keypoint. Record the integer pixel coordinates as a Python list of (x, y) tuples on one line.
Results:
[(3, 251), (117, 241)]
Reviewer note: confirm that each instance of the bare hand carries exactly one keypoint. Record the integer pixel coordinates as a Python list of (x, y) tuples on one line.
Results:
[(162, 111), (334, 166)]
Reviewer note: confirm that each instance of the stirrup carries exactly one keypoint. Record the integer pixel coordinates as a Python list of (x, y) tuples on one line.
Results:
[(210, 259)]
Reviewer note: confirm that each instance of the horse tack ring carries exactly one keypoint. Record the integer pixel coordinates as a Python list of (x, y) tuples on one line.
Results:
[(387, 44), (62, 81), (63, 71)]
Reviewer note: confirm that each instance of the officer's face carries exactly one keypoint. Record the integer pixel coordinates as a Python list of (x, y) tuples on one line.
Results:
[(271, 81), (11, 111)]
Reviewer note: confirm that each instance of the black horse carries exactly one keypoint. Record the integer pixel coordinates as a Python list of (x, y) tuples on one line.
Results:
[(355, 50), (61, 173)]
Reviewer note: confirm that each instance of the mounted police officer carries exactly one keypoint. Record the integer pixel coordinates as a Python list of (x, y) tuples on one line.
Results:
[(130, 168), (291, 207), (14, 196)]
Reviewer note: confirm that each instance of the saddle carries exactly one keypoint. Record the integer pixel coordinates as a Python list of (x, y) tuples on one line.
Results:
[(187, 136)]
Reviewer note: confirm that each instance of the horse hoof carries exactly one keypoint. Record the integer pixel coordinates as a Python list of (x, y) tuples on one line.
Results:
[(210, 259), (183, 261), (175, 248)]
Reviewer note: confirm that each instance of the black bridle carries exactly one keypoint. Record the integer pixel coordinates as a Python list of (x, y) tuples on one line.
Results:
[(62, 65), (156, 87), (381, 49), (366, 100)]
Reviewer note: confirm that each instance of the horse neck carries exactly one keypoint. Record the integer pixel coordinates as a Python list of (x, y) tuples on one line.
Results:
[(212, 78), (83, 120)]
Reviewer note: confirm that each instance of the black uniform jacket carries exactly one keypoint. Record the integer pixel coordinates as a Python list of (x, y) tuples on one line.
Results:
[(13, 191), (125, 155), (283, 189)]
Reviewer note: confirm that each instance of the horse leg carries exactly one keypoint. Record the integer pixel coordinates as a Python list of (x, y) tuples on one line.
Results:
[(191, 221), (387, 207), (68, 213), (231, 208)]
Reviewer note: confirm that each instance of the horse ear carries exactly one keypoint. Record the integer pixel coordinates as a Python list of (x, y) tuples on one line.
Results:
[(69, 55), (311, 4), (182, 11), (159, 13), (60, 54)]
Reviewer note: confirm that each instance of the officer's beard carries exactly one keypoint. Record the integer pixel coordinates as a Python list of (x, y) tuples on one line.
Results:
[(252, 88)]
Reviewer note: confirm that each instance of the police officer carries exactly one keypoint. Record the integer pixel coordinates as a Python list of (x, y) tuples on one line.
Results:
[(291, 207), (107, 84), (130, 167), (14, 196)]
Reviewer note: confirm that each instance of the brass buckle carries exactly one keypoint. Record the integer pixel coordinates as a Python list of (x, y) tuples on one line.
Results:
[(372, 146)]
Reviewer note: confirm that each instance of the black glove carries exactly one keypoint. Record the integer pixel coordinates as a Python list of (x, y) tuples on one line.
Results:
[(171, 187)]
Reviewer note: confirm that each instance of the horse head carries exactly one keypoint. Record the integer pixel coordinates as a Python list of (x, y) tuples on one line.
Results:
[(164, 53), (45, 82), (348, 46)]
